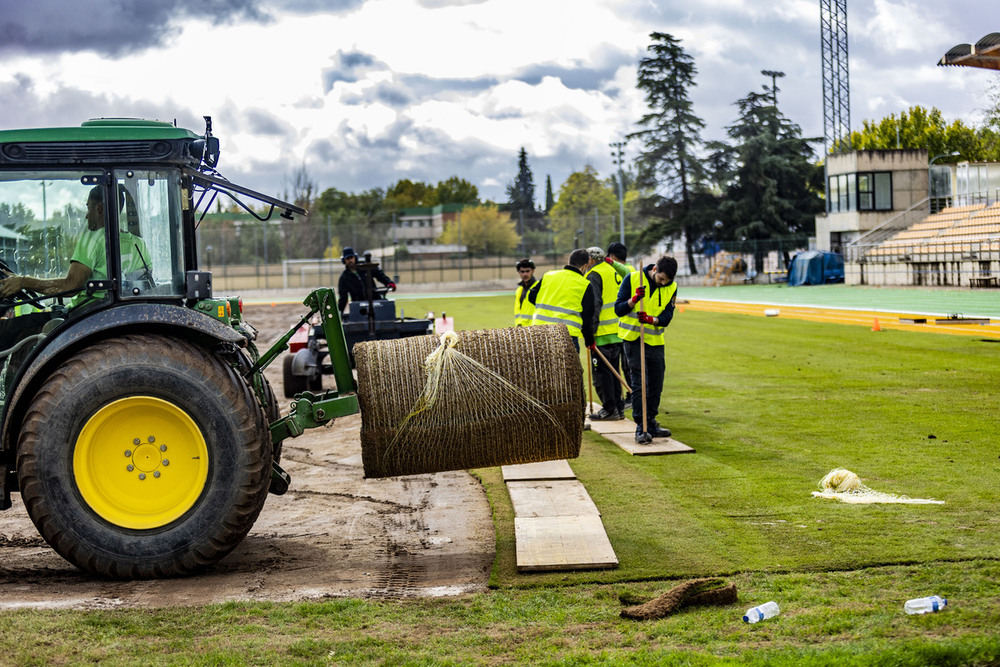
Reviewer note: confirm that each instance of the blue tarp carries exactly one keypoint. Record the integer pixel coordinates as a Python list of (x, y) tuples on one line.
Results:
[(816, 267)]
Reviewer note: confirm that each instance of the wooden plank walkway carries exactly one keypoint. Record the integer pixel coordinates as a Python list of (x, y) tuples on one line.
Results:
[(622, 433), (551, 498), (557, 526), (556, 543), (535, 471)]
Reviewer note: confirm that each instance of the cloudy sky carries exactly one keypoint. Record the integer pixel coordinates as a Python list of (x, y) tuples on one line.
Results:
[(366, 92)]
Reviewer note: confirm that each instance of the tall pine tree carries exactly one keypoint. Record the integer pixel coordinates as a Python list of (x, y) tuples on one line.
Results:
[(521, 196), (521, 193), (775, 184), (669, 167)]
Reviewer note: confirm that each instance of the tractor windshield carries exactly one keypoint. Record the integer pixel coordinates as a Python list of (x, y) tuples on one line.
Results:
[(45, 216), (55, 226)]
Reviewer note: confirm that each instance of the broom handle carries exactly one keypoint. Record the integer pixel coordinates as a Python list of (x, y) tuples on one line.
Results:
[(642, 357), (590, 378), (600, 355)]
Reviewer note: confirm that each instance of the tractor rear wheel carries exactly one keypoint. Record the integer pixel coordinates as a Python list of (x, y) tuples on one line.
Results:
[(292, 383), (144, 456)]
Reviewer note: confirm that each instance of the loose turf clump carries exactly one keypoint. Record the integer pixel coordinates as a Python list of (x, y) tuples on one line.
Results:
[(697, 592)]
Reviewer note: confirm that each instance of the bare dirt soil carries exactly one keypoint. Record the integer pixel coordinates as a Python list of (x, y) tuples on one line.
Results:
[(332, 534)]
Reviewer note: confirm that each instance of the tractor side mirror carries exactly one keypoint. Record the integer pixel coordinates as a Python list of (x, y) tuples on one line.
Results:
[(206, 150)]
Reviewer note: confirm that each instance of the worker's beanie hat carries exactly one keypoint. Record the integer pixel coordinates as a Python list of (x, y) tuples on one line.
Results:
[(596, 254), (348, 252), (618, 251)]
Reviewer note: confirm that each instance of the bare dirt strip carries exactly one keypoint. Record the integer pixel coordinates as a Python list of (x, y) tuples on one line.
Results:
[(333, 534)]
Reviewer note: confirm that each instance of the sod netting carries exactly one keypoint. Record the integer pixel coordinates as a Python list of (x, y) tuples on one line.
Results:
[(773, 405)]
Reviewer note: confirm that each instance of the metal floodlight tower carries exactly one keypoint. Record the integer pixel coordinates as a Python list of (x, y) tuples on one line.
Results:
[(775, 75), (836, 82), (618, 158)]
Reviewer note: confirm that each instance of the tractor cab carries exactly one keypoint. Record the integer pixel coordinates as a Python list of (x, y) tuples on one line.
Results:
[(100, 216)]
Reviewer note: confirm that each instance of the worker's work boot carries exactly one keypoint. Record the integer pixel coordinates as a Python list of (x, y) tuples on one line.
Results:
[(603, 415), (641, 437), (657, 431)]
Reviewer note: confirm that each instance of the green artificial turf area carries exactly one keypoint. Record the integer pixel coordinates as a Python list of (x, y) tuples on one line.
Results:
[(770, 406)]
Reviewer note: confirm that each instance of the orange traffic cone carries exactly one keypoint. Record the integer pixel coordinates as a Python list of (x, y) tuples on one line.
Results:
[(681, 309), (875, 325)]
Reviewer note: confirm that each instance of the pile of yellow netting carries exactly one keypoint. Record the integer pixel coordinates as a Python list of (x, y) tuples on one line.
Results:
[(470, 399), (845, 486)]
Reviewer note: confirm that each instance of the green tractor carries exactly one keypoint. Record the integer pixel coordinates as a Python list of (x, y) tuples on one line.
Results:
[(137, 424)]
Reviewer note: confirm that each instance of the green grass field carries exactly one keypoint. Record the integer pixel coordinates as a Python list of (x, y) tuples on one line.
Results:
[(771, 406)]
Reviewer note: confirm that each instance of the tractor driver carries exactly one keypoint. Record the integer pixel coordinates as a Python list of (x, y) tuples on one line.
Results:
[(89, 261), (352, 283)]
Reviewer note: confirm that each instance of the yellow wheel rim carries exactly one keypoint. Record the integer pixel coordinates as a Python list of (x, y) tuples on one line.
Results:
[(140, 462)]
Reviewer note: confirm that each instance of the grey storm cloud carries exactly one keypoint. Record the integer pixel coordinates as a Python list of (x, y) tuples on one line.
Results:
[(591, 75), (404, 89), (263, 123), (315, 6), (114, 28), (70, 106), (349, 67)]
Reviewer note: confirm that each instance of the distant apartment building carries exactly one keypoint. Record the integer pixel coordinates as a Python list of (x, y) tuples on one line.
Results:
[(419, 230)]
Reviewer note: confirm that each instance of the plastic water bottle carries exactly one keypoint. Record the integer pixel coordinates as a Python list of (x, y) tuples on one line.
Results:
[(759, 613), (925, 605)]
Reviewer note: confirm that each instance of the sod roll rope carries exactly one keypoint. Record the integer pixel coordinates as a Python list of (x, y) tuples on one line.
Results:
[(471, 399), (843, 485)]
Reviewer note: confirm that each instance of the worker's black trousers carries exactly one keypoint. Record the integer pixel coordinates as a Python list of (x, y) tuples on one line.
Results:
[(655, 367), (609, 389)]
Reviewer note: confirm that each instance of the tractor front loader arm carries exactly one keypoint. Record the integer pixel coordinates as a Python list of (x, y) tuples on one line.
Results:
[(310, 410)]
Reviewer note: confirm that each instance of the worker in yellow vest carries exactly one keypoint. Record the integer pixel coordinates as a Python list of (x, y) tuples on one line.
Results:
[(619, 253), (564, 296), (524, 309), (605, 277), (654, 288)]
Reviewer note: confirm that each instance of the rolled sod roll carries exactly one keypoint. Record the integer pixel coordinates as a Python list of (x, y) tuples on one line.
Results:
[(526, 405)]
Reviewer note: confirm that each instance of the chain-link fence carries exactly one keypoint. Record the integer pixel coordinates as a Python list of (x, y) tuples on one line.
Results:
[(244, 254)]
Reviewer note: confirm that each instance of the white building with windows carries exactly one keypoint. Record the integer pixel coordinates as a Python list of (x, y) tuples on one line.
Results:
[(418, 230), (866, 189)]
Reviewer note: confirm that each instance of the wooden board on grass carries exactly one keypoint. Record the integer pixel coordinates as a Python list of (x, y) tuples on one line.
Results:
[(561, 497), (562, 543), (558, 469), (616, 426), (658, 447)]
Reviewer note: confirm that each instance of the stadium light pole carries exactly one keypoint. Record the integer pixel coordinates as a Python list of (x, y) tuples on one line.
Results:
[(617, 158), (775, 75), (930, 202)]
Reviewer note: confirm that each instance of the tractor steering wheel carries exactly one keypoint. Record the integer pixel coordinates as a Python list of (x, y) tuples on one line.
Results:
[(23, 295)]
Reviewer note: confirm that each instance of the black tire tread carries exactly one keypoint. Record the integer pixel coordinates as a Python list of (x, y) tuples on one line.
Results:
[(251, 435)]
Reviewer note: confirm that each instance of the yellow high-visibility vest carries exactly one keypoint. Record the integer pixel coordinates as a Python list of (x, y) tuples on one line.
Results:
[(655, 303), (607, 321), (560, 300), (523, 308)]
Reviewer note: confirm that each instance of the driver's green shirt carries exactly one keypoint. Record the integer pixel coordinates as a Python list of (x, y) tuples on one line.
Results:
[(90, 252)]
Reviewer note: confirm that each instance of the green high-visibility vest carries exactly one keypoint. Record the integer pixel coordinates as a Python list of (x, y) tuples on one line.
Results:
[(560, 300), (655, 303), (523, 308), (607, 321)]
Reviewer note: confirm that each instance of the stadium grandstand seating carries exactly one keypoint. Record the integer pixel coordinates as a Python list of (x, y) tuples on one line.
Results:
[(957, 245)]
